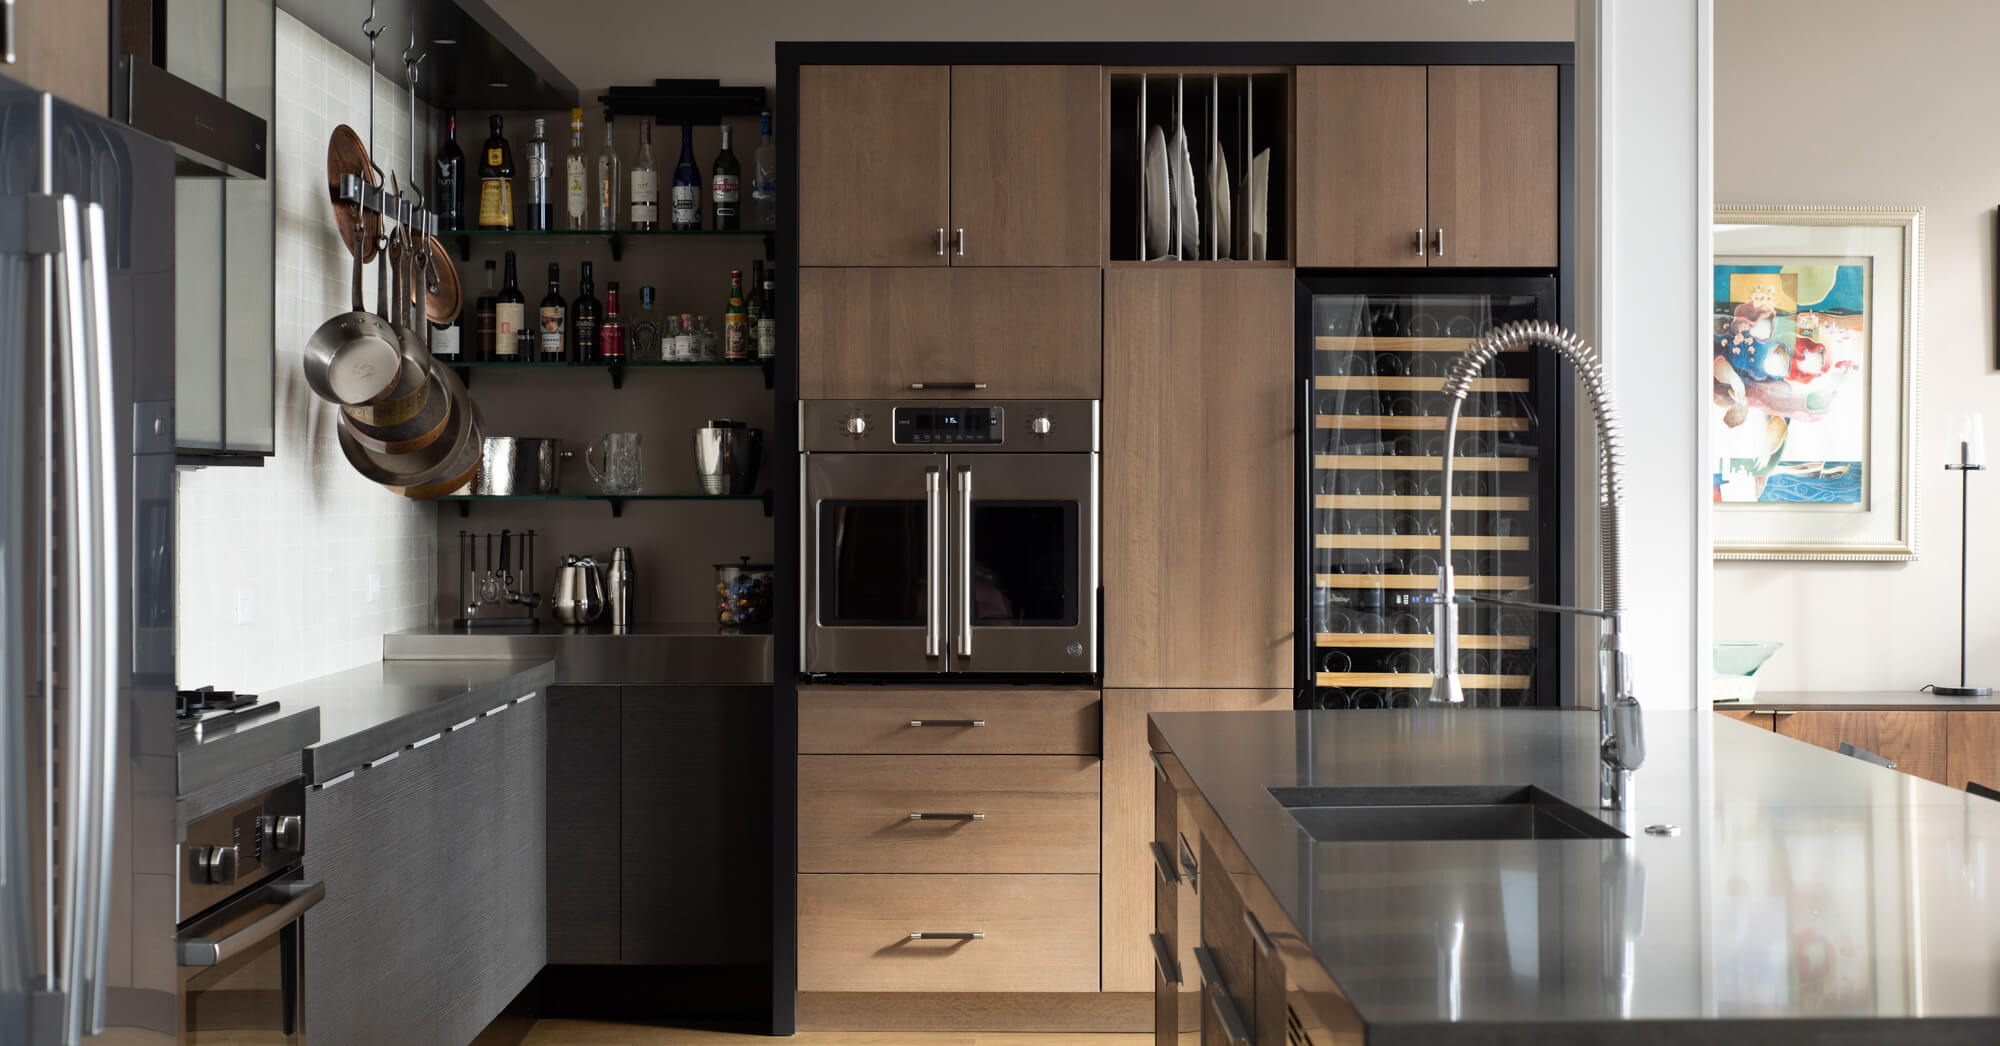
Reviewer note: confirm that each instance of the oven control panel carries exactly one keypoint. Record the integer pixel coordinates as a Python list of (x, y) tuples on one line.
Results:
[(931, 426), (239, 846)]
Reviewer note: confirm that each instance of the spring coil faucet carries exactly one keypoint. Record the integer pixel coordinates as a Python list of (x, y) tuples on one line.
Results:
[(1622, 742)]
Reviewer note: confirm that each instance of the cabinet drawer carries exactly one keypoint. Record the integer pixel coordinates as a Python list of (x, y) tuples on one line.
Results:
[(1018, 721), (1039, 933), (1030, 813)]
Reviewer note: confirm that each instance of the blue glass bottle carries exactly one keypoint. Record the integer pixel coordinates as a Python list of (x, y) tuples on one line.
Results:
[(687, 185)]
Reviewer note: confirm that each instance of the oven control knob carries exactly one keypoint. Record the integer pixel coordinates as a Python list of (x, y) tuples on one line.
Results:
[(288, 833), (215, 864), (1040, 425), (856, 425)]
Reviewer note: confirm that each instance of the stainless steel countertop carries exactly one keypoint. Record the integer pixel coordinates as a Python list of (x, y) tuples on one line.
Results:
[(1805, 890), (692, 652), (214, 753), (1859, 700)]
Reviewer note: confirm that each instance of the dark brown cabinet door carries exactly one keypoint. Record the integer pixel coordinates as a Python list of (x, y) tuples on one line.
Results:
[(1973, 748), (1199, 415), (1361, 134), (1914, 741), (875, 332), (583, 797), (1026, 156), (1493, 166), (1028, 333), (874, 151)]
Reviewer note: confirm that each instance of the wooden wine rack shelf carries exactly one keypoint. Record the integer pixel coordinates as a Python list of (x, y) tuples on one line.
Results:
[(1468, 542), (1399, 463), (1337, 343), (1327, 382), (1418, 680), (1417, 423), (1418, 641), (1476, 582), (1462, 503)]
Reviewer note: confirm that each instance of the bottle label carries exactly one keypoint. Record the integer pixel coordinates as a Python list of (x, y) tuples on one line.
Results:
[(687, 208), (508, 319), (586, 336), (538, 165), (764, 189), (611, 341), (496, 203), (552, 329), (736, 336), (645, 197), (444, 342), (727, 189), (684, 346), (484, 324), (645, 339), (493, 157), (577, 197), (607, 188), (767, 338)]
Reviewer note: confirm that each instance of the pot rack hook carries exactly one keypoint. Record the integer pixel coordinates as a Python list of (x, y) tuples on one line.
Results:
[(373, 31), (410, 74)]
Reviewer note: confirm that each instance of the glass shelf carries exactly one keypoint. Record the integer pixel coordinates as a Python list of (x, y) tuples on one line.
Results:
[(617, 370), (616, 501), (616, 238)]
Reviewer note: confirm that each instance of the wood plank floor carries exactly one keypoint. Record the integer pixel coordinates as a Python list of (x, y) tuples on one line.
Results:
[(594, 1033)]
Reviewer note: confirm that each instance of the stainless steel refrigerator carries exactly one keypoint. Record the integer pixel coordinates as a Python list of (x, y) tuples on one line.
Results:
[(86, 577)]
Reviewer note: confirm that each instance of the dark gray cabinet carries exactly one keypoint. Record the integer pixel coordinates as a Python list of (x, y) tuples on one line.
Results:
[(659, 803), (433, 861)]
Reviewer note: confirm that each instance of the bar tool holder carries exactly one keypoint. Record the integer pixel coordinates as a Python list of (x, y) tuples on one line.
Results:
[(494, 602)]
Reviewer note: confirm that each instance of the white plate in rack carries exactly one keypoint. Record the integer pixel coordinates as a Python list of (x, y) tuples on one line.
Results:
[(1155, 187), (1182, 169), (1257, 199), (1218, 199)]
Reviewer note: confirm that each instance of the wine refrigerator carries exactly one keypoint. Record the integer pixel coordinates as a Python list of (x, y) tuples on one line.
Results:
[(1373, 352)]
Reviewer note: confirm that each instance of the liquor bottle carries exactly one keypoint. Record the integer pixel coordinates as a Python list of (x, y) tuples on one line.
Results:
[(687, 185), (611, 332), (686, 345), (670, 338), (642, 335), (753, 301), (496, 181), (735, 321), (764, 179), (445, 339), (550, 327), (482, 345), (450, 176), (510, 316), (767, 324), (576, 175), (607, 179), (584, 314), (706, 345), (541, 209), (645, 182), (726, 187)]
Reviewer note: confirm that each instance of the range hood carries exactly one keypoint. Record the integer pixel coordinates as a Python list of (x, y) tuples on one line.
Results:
[(211, 137)]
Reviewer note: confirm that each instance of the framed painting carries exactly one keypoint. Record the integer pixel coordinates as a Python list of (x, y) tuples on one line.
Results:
[(1813, 423)]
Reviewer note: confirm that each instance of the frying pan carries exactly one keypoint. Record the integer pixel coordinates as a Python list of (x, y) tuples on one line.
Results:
[(355, 357), (429, 471), (346, 155), (412, 434), (405, 400)]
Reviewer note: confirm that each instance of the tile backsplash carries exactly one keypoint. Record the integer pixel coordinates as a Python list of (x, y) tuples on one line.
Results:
[(296, 569)]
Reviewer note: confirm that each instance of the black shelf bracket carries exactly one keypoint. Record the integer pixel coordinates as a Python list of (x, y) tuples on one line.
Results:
[(464, 509), (770, 368), (617, 247), (617, 507), (464, 247), (767, 499), (617, 376), (464, 375)]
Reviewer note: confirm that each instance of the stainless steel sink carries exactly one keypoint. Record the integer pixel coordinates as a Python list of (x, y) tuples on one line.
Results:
[(1437, 813)]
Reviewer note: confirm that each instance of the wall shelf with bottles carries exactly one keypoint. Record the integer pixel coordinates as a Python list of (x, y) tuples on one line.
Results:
[(618, 370), (615, 239), (616, 501), (1200, 166)]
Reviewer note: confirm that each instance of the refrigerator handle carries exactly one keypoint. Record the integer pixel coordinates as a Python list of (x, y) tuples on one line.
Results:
[(78, 663), (105, 603)]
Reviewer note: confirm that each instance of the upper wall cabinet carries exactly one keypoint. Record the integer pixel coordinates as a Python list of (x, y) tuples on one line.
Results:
[(934, 165), (1439, 166)]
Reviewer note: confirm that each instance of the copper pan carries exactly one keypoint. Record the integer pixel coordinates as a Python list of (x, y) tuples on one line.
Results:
[(346, 155)]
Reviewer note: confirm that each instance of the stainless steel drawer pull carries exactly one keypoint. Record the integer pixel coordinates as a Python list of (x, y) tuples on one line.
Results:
[(1420, 241), (1165, 864), (1158, 767), (947, 817), (1440, 243), (948, 386), (463, 723), (380, 759), (947, 722), (1257, 933), (422, 741), (940, 241), (495, 710), (1190, 867), (1170, 971), (1232, 1021), (955, 935)]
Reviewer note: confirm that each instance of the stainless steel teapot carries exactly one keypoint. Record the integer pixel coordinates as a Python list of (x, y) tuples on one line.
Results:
[(579, 598)]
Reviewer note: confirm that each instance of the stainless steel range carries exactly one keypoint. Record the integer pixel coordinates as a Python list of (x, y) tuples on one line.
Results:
[(950, 537), (241, 939)]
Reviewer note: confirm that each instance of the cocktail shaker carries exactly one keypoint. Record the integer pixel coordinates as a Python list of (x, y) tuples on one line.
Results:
[(619, 588)]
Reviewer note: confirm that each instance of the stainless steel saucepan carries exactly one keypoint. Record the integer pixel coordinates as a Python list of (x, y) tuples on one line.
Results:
[(355, 357)]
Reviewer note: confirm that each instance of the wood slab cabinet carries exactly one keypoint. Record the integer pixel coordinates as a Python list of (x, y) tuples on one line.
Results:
[(1914, 741), (1972, 748), (934, 165), (998, 333), (1199, 417), (1439, 166)]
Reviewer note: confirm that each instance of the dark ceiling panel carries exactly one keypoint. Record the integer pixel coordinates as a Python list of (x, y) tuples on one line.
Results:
[(487, 65)]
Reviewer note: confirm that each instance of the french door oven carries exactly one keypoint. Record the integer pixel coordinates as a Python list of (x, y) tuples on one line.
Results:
[(951, 538)]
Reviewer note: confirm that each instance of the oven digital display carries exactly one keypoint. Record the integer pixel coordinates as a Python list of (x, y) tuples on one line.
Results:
[(969, 424)]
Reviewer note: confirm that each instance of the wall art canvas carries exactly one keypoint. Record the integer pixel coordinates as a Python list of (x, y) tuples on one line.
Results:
[(1812, 355)]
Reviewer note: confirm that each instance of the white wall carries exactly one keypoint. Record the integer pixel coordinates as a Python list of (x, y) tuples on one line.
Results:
[(303, 535), (1882, 106)]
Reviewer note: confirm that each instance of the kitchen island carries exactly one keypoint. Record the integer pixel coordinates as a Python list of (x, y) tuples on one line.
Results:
[(1801, 896)]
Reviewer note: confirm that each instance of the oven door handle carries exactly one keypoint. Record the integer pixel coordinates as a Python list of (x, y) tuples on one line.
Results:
[(214, 951), (963, 485), (934, 562)]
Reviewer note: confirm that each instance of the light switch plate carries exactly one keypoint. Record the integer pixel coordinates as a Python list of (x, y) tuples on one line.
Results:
[(246, 605)]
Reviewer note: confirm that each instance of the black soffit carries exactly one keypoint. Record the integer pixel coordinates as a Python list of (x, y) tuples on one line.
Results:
[(486, 66)]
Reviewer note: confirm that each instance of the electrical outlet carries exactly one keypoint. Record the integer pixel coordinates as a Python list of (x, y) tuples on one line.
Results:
[(246, 605), (374, 586)]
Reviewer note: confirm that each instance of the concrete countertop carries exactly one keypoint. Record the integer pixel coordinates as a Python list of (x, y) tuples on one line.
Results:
[(1858, 701), (1809, 897)]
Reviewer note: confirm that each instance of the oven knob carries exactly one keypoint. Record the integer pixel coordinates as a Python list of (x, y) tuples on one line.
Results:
[(856, 425), (288, 833), (216, 864), (1040, 425)]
